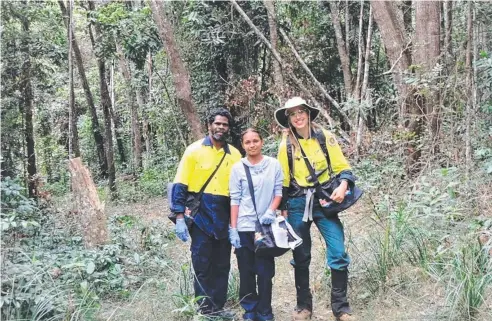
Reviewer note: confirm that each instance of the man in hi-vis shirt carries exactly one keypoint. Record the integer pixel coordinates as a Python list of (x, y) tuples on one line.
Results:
[(210, 247)]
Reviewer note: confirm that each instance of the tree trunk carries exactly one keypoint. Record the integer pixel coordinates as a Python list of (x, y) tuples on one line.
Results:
[(137, 138), (364, 93), (106, 106), (277, 72), (116, 120), (407, 15), (426, 55), (132, 96), (181, 76), (87, 205), (146, 124), (73, 133), (448, 26), (390, 23), (347, 26), (26, 87), (342, 49), (173, 115), (469, 88), (96, 129), (367, 57), (356, 93)]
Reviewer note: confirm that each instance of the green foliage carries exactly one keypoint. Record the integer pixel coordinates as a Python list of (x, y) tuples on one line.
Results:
[(19, 214), (185, 302), (50, 275), (426, 229), (135, 29), (470, 273), (152, 181), (233, 287)]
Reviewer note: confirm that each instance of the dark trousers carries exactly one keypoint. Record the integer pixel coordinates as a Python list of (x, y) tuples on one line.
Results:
[(254, 271), (211, 259)]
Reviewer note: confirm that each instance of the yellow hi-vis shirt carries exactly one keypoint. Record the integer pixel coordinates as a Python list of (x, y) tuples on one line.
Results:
[(200, 160), (316, 157), (198, 163)]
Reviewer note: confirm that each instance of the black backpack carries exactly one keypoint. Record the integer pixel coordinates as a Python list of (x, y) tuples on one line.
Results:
[(326, 187)]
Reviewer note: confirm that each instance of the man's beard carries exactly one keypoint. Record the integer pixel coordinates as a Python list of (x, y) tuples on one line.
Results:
[(220, 138)]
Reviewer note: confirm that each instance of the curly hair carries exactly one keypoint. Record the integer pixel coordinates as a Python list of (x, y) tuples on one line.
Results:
[(219, 112)]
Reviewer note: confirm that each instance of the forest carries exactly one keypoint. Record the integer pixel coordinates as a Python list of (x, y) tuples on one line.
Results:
[(99, 100)]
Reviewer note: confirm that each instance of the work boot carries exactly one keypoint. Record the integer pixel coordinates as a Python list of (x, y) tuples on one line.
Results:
[(345, 317), (339, 302), (304, 296), (301, 314)]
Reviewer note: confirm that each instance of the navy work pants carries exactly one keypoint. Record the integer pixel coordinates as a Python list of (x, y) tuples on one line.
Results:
[(211, 259), (254, 271)]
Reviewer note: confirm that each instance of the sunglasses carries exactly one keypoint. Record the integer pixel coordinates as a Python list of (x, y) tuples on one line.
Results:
[(297, 113)]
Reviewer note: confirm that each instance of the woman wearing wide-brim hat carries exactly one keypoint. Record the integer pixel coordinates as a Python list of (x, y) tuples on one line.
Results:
[(302, 207)]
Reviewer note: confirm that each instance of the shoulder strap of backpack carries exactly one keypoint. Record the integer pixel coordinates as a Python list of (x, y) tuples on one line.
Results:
[(290, 158), (320, 136)]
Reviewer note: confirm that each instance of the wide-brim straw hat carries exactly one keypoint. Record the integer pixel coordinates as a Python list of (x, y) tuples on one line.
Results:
[(283, 119)]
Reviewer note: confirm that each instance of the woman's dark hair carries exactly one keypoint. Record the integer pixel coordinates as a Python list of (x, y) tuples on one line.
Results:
[(250, 130), (219, 112)]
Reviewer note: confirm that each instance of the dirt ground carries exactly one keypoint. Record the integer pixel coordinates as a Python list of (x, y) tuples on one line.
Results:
[(415, 297)]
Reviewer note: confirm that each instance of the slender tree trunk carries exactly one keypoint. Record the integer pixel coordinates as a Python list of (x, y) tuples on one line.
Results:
[(73, 133), (181, 76), (448, 27), (364, 92), (116, 119), (356, 93), (27, 94), (347, 26), (146, 123), (277, 71), (183, 141), (132, 96), (106, 106), (96, 129), (367, 57), (407, 15), (342, 49), (469, 88), (137, 130)]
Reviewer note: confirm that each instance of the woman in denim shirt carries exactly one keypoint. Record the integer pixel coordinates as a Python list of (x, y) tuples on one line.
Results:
[(254, 271)]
